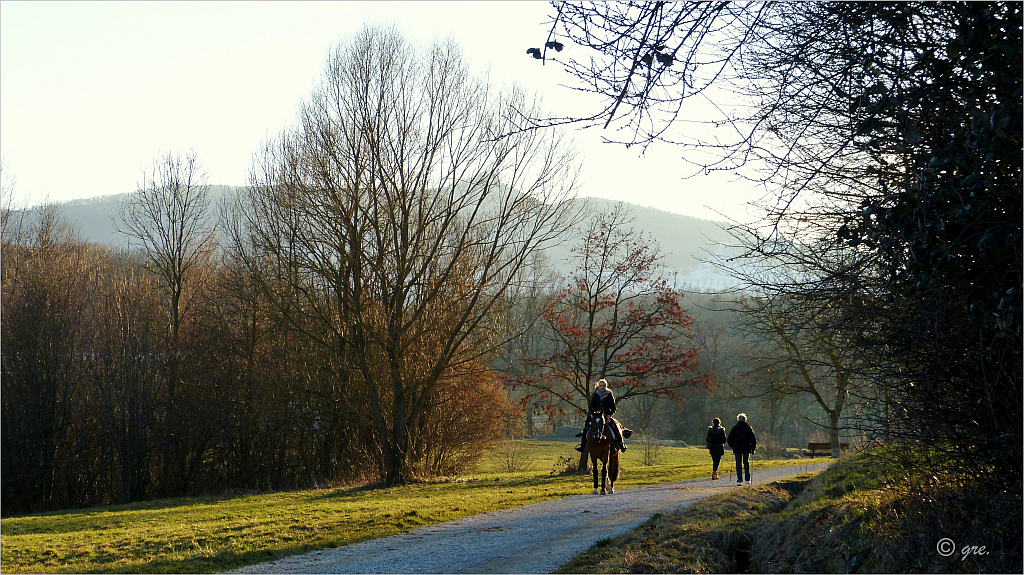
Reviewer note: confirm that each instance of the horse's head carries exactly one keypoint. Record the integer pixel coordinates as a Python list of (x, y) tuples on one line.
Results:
[(598, 424)]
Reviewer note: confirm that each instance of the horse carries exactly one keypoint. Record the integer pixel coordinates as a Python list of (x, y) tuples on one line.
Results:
[(602, 448)]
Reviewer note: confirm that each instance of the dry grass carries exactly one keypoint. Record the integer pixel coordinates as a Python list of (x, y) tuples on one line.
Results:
[(858, 516), (711, 536)]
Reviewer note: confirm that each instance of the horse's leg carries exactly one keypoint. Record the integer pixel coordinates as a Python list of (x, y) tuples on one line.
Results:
[(613, 472), (604, 474), (593, 466)]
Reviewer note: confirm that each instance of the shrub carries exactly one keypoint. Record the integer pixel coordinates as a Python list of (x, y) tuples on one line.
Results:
[(565, 466), (649, 448), (769, 448)]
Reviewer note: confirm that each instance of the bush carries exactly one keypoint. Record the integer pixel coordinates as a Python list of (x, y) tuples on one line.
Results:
[(565, 466), (769, 448), (514, 458), (649, 448)]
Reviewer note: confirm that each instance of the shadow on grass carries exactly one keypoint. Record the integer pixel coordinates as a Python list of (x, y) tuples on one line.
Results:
[(221, 562)]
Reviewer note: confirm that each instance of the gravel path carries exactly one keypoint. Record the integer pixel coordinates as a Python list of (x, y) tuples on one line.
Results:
[(536, 538)]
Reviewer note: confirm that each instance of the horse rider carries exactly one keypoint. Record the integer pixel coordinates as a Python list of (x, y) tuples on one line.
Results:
[(602, 401)]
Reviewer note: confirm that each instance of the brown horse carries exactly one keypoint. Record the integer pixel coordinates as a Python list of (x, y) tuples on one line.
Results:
[(602, 448)]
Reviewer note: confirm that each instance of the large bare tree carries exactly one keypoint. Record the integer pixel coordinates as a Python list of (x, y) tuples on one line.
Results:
[(169, 216), (802, 350), (395, 216)]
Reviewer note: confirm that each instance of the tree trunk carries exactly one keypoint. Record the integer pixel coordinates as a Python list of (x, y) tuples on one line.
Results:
[(833, 433), (169, 472), (396, 459), (395, 467), (773, 417)]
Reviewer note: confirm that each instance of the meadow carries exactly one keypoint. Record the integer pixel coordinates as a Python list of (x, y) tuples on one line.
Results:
[(224, 532)]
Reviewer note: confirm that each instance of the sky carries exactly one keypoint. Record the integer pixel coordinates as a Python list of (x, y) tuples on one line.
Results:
[(91, 93)]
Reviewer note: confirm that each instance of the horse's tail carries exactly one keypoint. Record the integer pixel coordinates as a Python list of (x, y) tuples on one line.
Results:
[(613, 466)]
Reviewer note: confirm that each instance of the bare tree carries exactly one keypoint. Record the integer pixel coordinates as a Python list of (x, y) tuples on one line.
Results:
[(7, 208), (798, 356), (169, 216), (44, 325), (394, 219), (125, 378), (522, 318), (806, 323)]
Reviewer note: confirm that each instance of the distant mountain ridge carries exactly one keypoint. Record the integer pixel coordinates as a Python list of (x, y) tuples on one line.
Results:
[(686, 242)]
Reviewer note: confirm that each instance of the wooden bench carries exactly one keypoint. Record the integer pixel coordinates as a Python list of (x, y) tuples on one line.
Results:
[(824, 449)]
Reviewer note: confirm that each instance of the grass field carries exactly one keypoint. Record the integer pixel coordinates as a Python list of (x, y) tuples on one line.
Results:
[(219, 533)]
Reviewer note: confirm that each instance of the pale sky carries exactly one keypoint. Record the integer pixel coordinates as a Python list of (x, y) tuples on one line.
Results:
[(91, 93)]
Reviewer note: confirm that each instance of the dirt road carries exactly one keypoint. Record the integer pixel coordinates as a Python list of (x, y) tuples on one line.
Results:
[(535, 538)]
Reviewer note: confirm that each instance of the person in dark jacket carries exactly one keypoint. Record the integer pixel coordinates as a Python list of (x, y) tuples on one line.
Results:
[(743, 442), (716, 444), (602, 401)]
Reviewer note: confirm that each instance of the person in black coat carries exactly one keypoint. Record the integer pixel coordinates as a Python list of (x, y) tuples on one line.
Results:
[(743, 442), (716, 444), (602, 401)]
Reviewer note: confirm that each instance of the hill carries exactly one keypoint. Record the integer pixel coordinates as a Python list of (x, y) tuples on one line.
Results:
[(686, 242)]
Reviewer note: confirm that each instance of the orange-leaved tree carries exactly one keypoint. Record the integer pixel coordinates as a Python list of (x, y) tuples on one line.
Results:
[(619, 318)]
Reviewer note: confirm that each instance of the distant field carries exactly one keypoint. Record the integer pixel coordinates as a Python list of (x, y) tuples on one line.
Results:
[(210, 534)]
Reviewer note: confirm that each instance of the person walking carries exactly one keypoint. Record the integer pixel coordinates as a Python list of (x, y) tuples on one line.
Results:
[(716, 445), (743, 442)]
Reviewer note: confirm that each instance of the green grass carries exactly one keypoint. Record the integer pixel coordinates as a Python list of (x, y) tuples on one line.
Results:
[(673, 464), (210, 534)]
